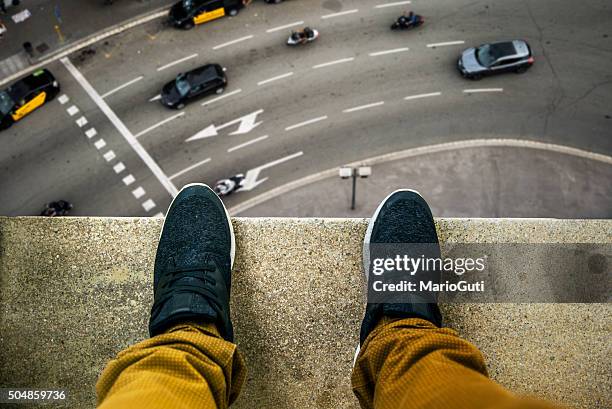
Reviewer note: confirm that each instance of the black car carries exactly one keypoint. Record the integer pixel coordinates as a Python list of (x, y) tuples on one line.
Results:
[(205, 80), (494, 58), (25, 95), (187, 13)]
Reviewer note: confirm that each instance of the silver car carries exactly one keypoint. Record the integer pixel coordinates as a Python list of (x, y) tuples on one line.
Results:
[(494, 58)]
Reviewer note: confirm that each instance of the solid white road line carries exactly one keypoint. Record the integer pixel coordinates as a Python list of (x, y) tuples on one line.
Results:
[(395, 50), (310, 121), (342, 13), (138, 192), (160, 123), (359, 108), (119, 167), (72, 110), (120, 87), (278, 77), (99, 144), (433, 45), (238, 40), (81, 122), (189, 57), (148, 205), (123, 130), (297, 23), (155, 98), (398, 3), (179, 173), (228, 94), (419, 96), (478, 90), (110, 155), (129, 179), (91, 132), (63, 99), (252, 141), (327, 64)]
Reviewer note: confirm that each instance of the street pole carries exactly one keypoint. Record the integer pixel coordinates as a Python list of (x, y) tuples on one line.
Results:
[(354, 189)]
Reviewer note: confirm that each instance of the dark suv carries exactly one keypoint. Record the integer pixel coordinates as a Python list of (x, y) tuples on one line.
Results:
[(205, 80), (494, 58)]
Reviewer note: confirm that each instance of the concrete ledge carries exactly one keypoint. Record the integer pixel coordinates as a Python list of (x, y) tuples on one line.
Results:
[(75, 291)]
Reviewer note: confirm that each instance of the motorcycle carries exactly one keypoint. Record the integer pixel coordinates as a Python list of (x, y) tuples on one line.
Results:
[(302, 37), (405, 23), (55, 209), (226, 187)]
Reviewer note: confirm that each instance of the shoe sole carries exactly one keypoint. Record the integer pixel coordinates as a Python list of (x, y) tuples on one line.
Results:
[(229, 220), (368, 235)]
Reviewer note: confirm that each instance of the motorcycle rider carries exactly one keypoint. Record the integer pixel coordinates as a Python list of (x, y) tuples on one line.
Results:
[(408, 19), (302, 36), (226, 186)]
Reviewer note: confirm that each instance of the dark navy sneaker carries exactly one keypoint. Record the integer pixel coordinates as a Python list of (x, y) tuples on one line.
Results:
[(403, 217), (192, 276)]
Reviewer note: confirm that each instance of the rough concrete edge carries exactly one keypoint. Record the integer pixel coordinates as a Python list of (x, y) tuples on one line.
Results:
[(422, 150), (450, 230), (89, 40)]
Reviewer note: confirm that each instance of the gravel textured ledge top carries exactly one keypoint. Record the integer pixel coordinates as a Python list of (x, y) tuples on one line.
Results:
[(75, 291)]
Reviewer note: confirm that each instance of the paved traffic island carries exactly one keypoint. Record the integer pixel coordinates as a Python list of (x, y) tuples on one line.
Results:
[(75, 291)]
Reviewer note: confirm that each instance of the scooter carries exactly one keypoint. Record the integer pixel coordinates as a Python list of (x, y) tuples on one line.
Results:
[(55, 209), (226, 187), (302, 37), (398, 25)]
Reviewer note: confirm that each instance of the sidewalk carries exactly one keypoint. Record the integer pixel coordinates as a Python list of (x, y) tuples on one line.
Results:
[(468, 182), (55, 24)]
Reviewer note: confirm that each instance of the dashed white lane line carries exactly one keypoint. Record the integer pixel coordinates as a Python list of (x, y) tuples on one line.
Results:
[(148, 205), (158, 215), (72, 110), (90, 133), (119, 167), (278, 77), (297, 23), (81, 122), (180, 60), (434, 45), (110, 155), (238, 40), (138, 192), (63, 99), (129, 179), (480, 90), (397, 3), (327, 64), (99, 144), (160, 123), (385, 52), (362, 107), (310, 121), (179, 173), (120, 126), (419, 96), (342, 13), (228, 94), (242, 145), (155, 98), (120, 87)]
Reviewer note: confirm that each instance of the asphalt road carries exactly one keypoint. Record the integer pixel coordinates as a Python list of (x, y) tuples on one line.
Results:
[(303, 100)]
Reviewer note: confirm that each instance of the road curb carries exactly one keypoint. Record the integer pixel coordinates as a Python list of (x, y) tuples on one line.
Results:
[(89, 40), (423, 150)]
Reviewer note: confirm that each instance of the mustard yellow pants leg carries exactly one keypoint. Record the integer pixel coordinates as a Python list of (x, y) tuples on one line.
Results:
[(411, 363), (189, 366)]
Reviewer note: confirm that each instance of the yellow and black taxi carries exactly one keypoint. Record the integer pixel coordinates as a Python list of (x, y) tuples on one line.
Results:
[(26, 95), (187, 13)]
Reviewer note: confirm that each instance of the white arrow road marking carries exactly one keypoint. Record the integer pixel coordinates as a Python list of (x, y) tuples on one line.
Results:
[(250, 181), (155, 98), (247, 124)]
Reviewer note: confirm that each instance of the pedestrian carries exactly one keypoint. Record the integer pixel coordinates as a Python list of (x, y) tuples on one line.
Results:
[(406, 358)]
